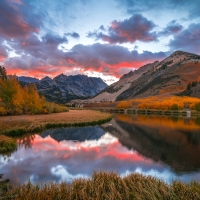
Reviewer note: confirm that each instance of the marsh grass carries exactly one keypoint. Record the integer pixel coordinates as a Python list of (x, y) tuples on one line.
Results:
[(7, 144), (107, 186), (18, 125)]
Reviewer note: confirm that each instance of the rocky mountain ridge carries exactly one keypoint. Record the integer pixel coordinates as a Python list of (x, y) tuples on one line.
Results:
[(167, 77), (62, 88)]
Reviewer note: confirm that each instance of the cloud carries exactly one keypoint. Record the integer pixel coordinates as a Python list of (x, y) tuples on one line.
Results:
[(43, 56), (188, 39), (109, 59), (3, 51), (172, 28), (38, 56), (74, 35), (130, 30), (191, 10), (44, 48), (17, 19)]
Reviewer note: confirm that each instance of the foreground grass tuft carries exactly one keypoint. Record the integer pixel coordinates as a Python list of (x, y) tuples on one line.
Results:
[(7, 144), (107, 186)]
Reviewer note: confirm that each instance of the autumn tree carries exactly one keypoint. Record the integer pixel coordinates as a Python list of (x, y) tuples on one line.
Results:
[(3, 74), (17, 100)]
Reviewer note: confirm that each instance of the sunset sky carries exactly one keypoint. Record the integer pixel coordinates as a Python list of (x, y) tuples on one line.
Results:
[(105, 38)]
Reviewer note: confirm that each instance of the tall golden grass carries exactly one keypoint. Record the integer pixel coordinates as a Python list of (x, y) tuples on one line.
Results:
[(18, 125), (107, 186)]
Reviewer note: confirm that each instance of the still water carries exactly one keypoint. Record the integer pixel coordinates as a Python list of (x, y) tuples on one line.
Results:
[(164, 147)]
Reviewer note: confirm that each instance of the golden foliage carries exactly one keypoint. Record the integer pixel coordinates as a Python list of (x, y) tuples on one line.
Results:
[(161, 103), (124, 104), (18, 100)]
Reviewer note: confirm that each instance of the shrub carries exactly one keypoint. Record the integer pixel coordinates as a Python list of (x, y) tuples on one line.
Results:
[(197, 106), (2, 111), (7, 144), (174, 107)]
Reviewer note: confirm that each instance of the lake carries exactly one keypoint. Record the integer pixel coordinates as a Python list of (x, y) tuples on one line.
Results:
[(160, 146)]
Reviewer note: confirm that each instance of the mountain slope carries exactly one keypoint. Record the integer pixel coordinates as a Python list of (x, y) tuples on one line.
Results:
[(167, 77), (64, 88), (111, 92)]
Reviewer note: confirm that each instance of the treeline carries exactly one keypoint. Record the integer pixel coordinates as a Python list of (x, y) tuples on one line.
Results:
[(162, 103), (15, 100), (192, 84)]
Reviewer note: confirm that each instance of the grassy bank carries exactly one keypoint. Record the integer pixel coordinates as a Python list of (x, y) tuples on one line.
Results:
[(18, 125), (110, 186), (7, 144)]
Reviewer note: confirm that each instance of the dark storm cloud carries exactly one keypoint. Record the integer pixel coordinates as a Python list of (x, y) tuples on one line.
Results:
[(172, 28), (74, 35), (17, 19), (135, 28), (188, 39)]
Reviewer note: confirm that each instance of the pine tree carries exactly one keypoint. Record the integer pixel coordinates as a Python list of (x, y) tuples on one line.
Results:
[(3, 74)]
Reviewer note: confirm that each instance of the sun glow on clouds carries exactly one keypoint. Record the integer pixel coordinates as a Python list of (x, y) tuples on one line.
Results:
[(129, 34), (106, 78)]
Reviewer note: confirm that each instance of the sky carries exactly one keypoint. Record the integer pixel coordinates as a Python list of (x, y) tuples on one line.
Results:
[(105, 39)]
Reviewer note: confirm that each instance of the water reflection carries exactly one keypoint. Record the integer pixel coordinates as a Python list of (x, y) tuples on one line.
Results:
[(75, 134), (164, 147), (174, 141)]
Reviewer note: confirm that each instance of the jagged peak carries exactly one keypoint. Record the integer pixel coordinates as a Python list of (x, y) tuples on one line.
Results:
[(60, 76), (46, 78)]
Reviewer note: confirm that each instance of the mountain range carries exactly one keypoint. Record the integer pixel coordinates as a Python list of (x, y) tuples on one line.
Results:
[(62, 88), (167, 77)]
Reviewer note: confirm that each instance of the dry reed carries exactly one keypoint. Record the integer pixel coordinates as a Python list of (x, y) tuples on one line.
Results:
[(107, 186)]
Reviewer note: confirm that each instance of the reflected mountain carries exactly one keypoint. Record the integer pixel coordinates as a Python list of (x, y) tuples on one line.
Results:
[(75, 133), (174, 141)]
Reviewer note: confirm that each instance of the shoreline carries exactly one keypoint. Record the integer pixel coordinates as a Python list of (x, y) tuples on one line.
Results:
[(149, 111), (22, 124)]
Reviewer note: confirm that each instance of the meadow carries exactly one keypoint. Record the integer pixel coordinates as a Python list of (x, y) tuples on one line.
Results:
[(14, 125)]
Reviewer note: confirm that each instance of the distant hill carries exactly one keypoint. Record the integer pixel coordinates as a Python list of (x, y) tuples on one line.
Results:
[(62, 88), (167, 77)]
